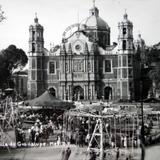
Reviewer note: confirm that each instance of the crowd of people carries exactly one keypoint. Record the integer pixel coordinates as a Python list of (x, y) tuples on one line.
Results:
[(37, 128), (80, 129)]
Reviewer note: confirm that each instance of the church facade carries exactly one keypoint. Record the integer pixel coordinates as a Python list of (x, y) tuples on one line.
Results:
[(85, 66)]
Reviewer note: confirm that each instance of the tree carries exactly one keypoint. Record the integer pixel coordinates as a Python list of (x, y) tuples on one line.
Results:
[(153, 55), (154, 64), (2, 17), (11, 58), (154, 75)]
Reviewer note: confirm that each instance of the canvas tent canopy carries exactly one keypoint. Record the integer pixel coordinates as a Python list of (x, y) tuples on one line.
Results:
[(48, 101), (152, 100)]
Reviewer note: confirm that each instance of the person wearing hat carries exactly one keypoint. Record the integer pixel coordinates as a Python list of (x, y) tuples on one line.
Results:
[(67, 153)]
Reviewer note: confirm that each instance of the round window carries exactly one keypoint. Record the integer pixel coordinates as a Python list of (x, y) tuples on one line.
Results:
[(78, 47)]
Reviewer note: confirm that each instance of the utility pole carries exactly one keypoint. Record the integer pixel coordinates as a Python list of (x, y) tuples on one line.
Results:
[(101, 140), (142, 113), (142, 128)]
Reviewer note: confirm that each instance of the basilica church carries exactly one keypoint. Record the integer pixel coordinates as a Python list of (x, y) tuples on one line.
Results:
[(86, 66)]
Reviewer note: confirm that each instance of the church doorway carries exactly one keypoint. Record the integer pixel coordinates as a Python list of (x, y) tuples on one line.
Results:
[(52, 91), (78, 93), (108, 93)]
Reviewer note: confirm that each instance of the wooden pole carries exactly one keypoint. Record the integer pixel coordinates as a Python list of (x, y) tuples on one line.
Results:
[(101, 139)]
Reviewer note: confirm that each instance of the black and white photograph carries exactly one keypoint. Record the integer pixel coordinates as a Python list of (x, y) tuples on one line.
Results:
[(79, 80)]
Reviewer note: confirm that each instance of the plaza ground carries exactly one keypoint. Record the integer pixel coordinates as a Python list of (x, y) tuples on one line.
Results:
[(43, 153), (50, 153), (54, 153)]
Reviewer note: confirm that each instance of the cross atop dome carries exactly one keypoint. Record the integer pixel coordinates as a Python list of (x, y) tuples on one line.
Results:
[(36, 19), (94, 10), (125, 14), (94, 1)]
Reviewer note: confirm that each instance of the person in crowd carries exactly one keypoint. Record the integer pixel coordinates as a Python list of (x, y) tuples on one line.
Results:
[(112, 141), (67, 154), (92, 155), (76, 138), (36, 140), (58, 140), (63, 154), (51, 127), (125, 141), (122, 141), (142, 151), (87, 138), (32, 134), (117, 154)]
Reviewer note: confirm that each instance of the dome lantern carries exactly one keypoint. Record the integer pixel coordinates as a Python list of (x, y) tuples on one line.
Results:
[(94, 11), (35, 19), (125, 16)]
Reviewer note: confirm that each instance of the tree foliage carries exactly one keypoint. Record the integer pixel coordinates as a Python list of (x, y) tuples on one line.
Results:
[(153, 56), (154, 63), (2, 17), (11, 58), (154, 74)]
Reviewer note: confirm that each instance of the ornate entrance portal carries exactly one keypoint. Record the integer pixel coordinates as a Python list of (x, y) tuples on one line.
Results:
[(108, 93), (78, 93)]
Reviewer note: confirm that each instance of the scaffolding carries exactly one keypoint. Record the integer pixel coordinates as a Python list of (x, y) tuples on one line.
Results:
[(8, 118), (101, 135), (100, 131)]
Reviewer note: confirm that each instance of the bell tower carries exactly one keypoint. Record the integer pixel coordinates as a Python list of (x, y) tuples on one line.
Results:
[(125, 81), (36, 42), (125, 38), (36, 59)]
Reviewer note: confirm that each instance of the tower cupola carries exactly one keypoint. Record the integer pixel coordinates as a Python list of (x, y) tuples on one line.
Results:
[(125, 37), (94, 11), (125, 16), (36, 42), (36, 19)]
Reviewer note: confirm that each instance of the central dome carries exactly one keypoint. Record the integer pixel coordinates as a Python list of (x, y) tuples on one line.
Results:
[(94, 21), (96, 29)]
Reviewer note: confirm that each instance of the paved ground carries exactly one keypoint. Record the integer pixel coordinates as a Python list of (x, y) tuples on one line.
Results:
[(48, 153), (43, 153)]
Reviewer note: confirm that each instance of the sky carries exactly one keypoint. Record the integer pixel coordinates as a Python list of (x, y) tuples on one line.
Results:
[(56, 15)]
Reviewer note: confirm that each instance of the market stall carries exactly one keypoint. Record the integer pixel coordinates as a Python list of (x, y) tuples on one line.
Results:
[(47, 100)]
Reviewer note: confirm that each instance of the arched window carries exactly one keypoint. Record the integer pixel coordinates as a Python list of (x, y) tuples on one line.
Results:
[(22, 85), (52, 67), (39, 62), (33, 47), (107, 93), (52, 91), (78, 93), (124, 45), (124, 31), (33, 35), (107, 65), (33, 75), (33, 63)]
